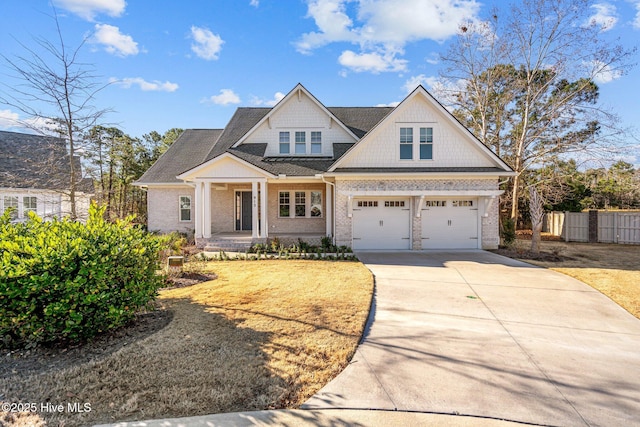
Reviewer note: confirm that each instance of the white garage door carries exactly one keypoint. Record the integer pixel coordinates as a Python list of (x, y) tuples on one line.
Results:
[(381, 223), (450, 223)]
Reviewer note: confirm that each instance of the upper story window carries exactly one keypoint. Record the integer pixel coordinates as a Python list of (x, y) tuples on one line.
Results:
[(421, 151), (316, 142), (426, 143), (301, 143), (285, 143), (406, 143)]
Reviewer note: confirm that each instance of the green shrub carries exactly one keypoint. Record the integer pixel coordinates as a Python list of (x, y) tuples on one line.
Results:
[(508, 231), (65, 281)]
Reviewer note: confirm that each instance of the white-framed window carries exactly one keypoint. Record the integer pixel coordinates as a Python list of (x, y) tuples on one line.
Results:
[(284, 204), (29, 204), (285, 143), (435, 203), (316, 142), (426, 143), (367, 203), (394, 204), (301, 142), (406, 143), (300, 204), (316, 204), (185, 208), (11, 202)]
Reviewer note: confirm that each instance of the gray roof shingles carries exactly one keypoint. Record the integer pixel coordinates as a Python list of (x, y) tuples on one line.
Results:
[(197, 146), (37, 162)]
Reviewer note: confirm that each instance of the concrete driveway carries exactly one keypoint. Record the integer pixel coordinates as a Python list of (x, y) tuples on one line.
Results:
[(477, 334)]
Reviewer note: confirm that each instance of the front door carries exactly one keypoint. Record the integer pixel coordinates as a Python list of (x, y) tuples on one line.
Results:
[(243, 211)]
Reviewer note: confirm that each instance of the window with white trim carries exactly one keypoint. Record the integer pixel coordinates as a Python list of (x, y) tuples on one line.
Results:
[(284, 203), (301, 143), (29, 204), (462, 203), (185, 208), (406, 143), (300, 204), (316, 142), (11, 202), (426, 143), (285, 143)]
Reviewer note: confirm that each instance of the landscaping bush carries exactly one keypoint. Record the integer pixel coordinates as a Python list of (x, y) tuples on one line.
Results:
[(508, 232), (65, 281)]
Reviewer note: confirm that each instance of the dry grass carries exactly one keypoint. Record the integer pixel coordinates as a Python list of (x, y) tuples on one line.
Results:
[(265, 334), (612, 269)]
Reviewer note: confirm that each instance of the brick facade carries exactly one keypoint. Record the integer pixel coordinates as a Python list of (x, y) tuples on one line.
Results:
[(489, 233)]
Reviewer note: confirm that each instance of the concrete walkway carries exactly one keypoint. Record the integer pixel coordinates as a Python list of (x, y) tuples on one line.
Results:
[(474, 339), (474, 333)]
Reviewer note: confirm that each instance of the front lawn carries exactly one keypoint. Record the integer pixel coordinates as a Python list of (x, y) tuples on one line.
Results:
[(265, 334)]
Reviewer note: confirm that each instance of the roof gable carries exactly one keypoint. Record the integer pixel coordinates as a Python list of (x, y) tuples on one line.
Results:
[(285, 111), (454, 146), (227, 166)]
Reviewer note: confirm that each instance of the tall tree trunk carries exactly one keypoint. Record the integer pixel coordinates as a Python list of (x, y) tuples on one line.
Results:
[(536, 208)]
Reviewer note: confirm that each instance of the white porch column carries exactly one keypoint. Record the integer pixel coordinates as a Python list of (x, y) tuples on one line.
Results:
[(198, 210), (206, 210), (264, 226), (328, 214), (254, 209)]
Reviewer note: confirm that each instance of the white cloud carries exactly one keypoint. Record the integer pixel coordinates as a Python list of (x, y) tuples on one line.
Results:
[(373, 62), (226, 97), (88, 9), (255, 3), (636, 22), (114, 41), (154, 86), (207, 45), (420, 79), (391, 104), (383, 26), (604, 17), (8, 119), (603, 73), (277, 97)]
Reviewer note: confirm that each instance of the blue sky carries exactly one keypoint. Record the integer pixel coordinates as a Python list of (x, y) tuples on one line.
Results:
[(189, 64)]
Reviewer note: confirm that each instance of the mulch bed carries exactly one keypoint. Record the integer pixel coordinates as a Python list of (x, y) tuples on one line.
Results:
[(188, 279)]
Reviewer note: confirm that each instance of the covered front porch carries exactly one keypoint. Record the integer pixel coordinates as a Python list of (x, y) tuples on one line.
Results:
[(234, 213)]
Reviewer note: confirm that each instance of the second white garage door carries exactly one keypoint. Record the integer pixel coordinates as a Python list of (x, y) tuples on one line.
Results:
[(381, 223), (450, 224)]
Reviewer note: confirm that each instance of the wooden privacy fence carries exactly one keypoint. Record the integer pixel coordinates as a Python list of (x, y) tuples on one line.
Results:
[(594, 226)]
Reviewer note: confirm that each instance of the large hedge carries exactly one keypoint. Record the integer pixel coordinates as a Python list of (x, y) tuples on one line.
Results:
[(66, 281)]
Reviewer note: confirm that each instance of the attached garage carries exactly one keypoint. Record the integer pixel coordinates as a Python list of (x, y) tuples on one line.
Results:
[(449, 223), (381, 223)]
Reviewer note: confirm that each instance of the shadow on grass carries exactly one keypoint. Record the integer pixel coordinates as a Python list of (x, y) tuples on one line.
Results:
[(199, 363)]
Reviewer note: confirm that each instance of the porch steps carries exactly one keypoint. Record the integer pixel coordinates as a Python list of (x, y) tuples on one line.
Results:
[(227, 244)]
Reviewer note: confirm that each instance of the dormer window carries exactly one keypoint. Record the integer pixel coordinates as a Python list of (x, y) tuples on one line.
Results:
[(285, 143), (304, 143), (316, 142), (301, 143)]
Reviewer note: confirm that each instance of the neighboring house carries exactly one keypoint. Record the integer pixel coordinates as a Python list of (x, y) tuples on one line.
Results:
[(34, 176), (409, 177)]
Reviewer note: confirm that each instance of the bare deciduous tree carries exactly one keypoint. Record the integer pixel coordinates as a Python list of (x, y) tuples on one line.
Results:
[(50, 85), (524, 83)]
